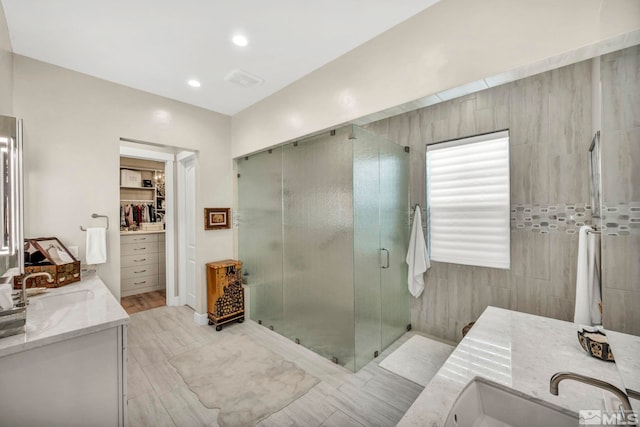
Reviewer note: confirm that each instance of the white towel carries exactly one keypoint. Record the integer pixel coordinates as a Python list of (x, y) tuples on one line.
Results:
[(417, 256), (96, 245), (6, 300), (588, 301)]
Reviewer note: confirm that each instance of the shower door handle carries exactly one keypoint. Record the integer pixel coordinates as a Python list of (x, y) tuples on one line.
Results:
[(387, 252)]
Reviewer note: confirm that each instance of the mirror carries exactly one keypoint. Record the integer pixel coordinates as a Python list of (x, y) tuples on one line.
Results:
[(620, 165), (11, 236)]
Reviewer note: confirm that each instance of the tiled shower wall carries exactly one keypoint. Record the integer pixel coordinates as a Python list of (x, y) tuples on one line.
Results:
[(621, 189), (549, 120)]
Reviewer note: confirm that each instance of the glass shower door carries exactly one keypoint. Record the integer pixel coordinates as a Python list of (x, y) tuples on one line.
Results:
[(394, 238), (318, 243), (381, 199), (367, 254), (323, 236), (260, 235)]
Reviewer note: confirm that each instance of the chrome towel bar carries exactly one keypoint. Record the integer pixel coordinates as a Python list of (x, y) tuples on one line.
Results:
[(97, 216)]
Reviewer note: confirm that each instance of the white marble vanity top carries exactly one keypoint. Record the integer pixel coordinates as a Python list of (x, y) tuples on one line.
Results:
[(67, 312), (521, 351), (626, 351)]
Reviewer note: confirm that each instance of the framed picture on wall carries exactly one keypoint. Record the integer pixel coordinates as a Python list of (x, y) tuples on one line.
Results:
[(217, 218)]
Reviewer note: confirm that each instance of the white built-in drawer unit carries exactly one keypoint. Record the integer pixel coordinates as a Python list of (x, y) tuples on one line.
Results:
[(138, 284), (139, 238), (162, 265), (140, 259), (139, 248), (142, 263)]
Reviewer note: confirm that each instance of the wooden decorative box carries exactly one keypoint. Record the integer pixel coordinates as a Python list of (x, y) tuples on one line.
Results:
[(47, 254), (225, 296)]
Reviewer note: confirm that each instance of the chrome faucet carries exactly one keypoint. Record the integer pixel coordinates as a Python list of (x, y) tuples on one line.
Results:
[(29, 276), (559, 376)]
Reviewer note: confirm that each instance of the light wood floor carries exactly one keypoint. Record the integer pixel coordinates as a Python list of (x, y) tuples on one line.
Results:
[(159, 397), (146, 301)]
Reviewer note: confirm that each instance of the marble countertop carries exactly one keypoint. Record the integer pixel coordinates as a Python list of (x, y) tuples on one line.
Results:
[(521, 351), (55, 316), (626, 351)]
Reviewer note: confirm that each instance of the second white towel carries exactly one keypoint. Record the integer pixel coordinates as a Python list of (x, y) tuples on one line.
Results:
[(588, 300), (417, 256), (96, 245)]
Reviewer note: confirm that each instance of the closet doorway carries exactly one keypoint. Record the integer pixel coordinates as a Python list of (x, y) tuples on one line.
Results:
[(147, 227)]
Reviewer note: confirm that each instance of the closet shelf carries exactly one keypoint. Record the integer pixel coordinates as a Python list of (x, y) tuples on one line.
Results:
[(137, 168), (136, 188), (142, 201)]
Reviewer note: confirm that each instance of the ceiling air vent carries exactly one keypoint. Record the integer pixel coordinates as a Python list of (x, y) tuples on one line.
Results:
[(243, 79)]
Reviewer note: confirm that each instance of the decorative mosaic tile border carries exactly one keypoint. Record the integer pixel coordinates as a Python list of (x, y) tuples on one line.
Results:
[(567, 218), (621, 219)]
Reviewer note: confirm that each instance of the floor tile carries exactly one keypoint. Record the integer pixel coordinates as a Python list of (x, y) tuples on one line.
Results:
[(158, 395)]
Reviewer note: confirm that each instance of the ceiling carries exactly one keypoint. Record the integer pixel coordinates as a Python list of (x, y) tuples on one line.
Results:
[(158, 45)]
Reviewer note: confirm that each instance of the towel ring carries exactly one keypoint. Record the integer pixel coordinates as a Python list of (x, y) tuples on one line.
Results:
[(97, 216)]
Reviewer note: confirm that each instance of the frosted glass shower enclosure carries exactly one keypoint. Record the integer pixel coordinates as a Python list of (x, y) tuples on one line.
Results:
[(323, 233)]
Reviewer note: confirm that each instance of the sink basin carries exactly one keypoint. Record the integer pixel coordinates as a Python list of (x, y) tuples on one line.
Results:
[(484, 403), (56, 301)]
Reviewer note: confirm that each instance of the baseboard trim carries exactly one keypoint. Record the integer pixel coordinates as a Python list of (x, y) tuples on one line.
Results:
[(200, 319)]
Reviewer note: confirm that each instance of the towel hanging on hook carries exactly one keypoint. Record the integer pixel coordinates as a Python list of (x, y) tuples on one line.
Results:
[(417, 256)]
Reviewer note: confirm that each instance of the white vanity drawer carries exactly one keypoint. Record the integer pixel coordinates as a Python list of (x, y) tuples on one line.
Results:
[(139, 248), (138, 259), (138, 238), (139, 271), (134, 283)]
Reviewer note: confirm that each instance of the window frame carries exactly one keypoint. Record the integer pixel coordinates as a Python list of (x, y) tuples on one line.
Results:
[(484, 137)]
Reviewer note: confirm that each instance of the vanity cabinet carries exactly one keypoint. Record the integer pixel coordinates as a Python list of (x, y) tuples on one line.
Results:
[(75, 382), (70, 366), (142, 263)]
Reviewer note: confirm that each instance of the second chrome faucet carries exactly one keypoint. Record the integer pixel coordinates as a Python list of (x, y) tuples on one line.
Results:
[(560, 376)]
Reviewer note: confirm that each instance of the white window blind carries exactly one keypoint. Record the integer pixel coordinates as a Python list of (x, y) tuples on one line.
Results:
[(468, 201)]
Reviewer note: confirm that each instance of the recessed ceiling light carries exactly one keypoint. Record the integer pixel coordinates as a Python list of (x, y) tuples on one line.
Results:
[(240, 40), (193, 83)]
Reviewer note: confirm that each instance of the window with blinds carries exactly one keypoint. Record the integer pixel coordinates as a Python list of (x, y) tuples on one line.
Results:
[(468, 201)]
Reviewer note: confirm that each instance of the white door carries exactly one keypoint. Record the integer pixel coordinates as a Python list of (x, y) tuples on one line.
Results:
[(187, 229)]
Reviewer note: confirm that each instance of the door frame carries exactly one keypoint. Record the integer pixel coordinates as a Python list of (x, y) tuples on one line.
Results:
[(170, 241), (181, 158)]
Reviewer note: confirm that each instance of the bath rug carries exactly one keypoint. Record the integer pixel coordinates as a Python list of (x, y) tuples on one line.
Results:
[(245, 380), (418, 359)]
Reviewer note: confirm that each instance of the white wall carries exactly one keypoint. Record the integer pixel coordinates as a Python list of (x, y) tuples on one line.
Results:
[(452, 43), (6, 68), (72, 126)]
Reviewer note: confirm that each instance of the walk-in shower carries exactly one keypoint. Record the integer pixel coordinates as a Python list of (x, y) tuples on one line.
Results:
[(323, 233)]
